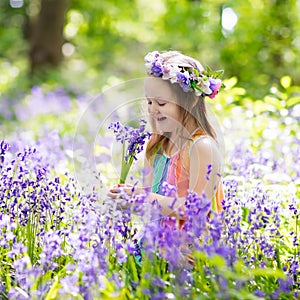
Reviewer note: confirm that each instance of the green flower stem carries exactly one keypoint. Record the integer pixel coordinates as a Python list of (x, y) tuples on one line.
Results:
[(126, 165), (125, 170), (123, 166)]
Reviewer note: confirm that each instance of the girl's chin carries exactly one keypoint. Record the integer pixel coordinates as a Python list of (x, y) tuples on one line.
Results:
[(165, 129)]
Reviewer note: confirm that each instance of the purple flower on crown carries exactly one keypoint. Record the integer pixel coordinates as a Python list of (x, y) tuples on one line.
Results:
[(184, 81), (193, 77), (151, 56), (157, 67), (170, 72), (214, 85), (166, 71)]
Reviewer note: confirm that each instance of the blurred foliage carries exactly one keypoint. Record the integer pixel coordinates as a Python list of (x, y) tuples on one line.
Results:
[(255, 41)]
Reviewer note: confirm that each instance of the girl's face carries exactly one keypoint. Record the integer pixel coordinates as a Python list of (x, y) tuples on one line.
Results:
[(162, 107)]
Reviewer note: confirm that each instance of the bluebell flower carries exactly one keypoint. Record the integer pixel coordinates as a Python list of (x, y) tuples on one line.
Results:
[(133, 140), (157, 68), (184, 81)]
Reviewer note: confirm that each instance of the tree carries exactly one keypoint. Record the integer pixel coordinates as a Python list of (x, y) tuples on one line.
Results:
[(109, 38), (46, 34)]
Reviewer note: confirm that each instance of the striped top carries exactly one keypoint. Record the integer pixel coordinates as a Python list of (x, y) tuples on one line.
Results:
[(175, 171)]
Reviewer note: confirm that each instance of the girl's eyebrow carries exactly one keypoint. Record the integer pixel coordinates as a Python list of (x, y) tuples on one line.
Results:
[(158, 100), (150, 98)]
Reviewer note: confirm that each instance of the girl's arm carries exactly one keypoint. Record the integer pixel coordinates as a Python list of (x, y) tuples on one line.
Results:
[(164, 201), (205, 165), (204, 168)]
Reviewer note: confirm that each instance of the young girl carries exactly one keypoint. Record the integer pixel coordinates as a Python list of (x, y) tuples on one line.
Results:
[(183, 150)]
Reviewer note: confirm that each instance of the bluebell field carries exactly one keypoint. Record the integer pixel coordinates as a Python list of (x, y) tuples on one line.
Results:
[(59, 240)]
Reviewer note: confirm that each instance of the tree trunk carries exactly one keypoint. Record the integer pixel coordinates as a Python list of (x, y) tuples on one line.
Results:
[(46, 34)]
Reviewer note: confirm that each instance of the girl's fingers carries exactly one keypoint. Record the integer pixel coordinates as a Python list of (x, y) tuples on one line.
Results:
[(113, 195), (118, 189), (120, 186), (124, 185), (116, 193)]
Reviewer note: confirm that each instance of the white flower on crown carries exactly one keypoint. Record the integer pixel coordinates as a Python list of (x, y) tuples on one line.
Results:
[(150, 58), (170, 72), (204, 86), (198, 93)]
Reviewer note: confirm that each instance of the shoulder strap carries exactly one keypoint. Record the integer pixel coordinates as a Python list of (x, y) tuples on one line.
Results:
[(194, 141), (187, 149)]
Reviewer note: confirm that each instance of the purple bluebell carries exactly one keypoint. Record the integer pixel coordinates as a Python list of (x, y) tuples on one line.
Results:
[(157, 68), (135, 137), (4, 146), (184, 81)]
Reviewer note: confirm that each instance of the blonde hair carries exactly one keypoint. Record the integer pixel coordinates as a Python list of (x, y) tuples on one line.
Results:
[(190, 105)]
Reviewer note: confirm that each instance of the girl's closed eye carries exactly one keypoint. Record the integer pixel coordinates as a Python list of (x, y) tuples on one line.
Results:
[(158, 103)]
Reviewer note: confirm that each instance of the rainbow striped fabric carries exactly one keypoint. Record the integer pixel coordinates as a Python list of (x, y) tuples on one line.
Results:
[(175, 171)]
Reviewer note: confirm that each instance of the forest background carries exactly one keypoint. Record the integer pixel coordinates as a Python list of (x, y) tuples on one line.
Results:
[(89, 44)]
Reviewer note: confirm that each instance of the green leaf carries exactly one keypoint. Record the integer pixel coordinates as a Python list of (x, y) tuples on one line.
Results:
[(53, 292), (231, 82), (217, 260), (286, 81), (146, 265), (245, 213), (277, 273), (242, 294), (239, 266), (293, 101), (208, 71), (274, 102), (132, 268), (109, 289), (238, 91), (259, 107), (218, 74)]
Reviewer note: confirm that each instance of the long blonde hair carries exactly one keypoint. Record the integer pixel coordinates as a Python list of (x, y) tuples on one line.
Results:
[(190, 105)]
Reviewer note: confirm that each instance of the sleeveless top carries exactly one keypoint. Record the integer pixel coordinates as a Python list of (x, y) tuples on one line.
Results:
[(175, 171)]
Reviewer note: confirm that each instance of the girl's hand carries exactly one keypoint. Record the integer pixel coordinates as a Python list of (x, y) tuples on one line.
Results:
[(120, 190)]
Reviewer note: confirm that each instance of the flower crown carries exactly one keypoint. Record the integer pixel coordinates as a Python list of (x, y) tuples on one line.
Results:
[(206, 83)]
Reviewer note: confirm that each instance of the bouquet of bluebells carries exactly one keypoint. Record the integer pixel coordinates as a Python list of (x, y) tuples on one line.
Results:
[(133, 141)]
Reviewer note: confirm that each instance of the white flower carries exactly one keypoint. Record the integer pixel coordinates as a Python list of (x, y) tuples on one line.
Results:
[(151, 56), (198, 93), (204, 86), (170, 72)]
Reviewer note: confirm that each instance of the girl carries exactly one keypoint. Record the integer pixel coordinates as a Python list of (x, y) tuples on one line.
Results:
[(183, 150)]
